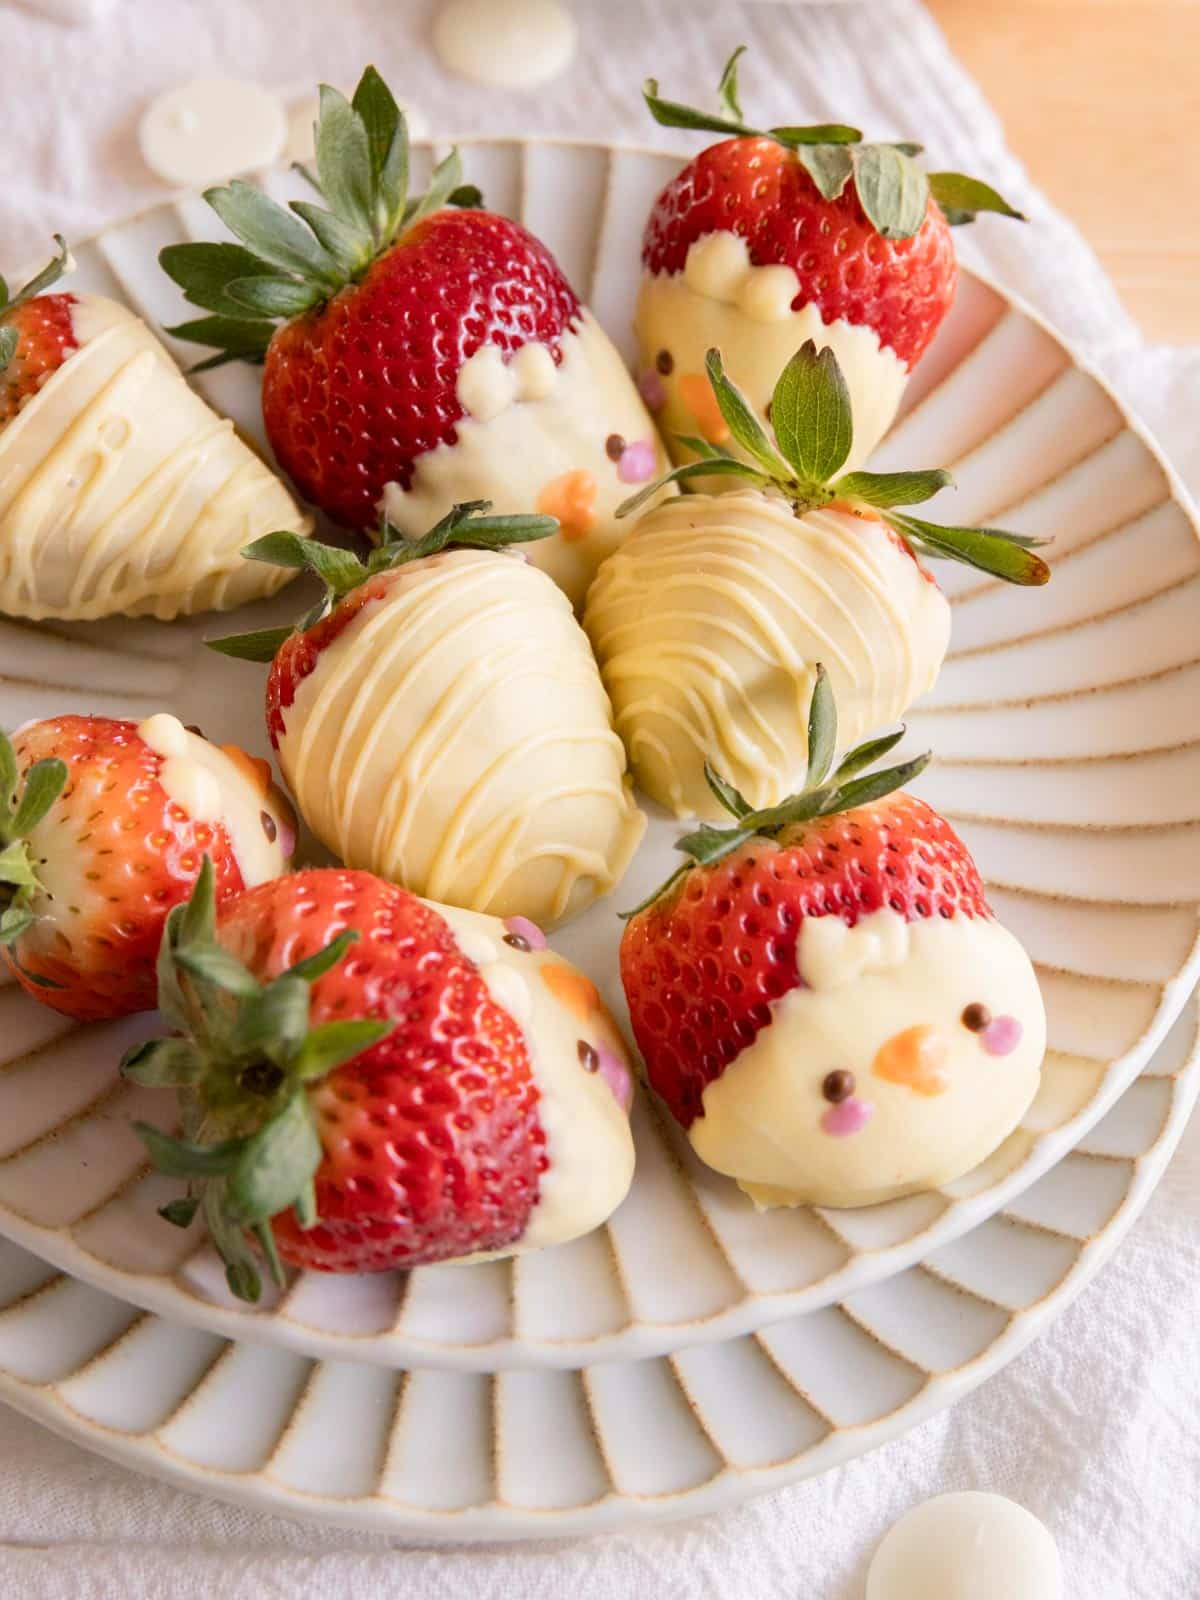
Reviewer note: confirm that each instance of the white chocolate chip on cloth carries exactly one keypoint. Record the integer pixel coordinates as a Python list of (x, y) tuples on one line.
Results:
[(212, 128)]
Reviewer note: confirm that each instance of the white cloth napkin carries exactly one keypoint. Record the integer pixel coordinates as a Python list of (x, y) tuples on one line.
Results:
[(1094, 1428)]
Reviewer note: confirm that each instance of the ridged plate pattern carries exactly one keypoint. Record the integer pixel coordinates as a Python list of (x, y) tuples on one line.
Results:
[(1067, 730), (431, 1454)]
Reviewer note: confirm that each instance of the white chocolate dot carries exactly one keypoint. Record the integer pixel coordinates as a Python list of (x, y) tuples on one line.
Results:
[(534, 371), (507, 44), (485, 385), (212, 128), (477, 947), (165, 734), (766, 293), (968, 1546)]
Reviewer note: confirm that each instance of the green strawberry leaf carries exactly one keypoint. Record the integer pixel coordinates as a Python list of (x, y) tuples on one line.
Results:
[(264, 296), (241, 1271), (180, 1213), (162, 1063), (43, 784), (204, 271), (828, 165), (818, 133), (990, 550), (740, 419), (324, 960), (811, 414), (274, 1164), (332, 1044), (822, 730), (344, 160), (349, 245), (273, 1022), (212, 963), (726, 794), (874, 786), (727, 89), (467, 197), (261, 645), (236, 339), (885, 489), (9, 339), (46, 278), (962, 198), (893, 190), (338, 569), (711, 466), (9, 773), (273, 233), (670, 114), (866, 755), (446, 180), (180, 1158)]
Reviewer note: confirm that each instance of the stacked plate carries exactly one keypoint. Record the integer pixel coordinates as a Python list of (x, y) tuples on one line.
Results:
[(692, 1352)]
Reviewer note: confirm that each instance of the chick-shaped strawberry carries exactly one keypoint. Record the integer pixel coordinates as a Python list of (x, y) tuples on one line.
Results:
[(822, 995), (709, 621), (104, 826), (419, 352), (368, 1081), (773, 237), (440, 720), (120, 490)]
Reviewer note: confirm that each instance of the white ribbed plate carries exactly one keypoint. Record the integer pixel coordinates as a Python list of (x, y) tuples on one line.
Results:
[(1067, 725), (455, 1455)]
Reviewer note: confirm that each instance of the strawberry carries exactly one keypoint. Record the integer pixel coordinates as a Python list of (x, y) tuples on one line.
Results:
[(100, 844), (353, 1093), (440, 719), (709, 620), (821, 966), (779, 233), (416, 355), (36, 335)]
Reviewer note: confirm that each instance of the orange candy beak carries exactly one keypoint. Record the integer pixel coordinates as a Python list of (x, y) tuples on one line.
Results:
[(916, 1058), (697, 395)]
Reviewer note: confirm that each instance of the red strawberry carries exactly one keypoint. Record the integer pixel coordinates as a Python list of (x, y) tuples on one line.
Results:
[(369, 321), (704, 961), (36, 337), (356, 390), (775, 236), (761, 191), (364, 1113), (98, 848)]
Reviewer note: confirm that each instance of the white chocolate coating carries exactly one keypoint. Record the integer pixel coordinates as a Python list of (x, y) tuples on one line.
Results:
[(865, 990), (212, 128), (967, 1546), (456, 738), (588, 1142), (505, 44), (211, 786), (710, 620), (121, 492), (721, 299), (535, 437)]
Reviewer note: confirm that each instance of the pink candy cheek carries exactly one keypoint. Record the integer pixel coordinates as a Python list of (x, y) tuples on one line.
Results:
[(287, 841), (637, 462), (650, 387), (847, 1117), (529, 931), (616, 1075), (1001, 1036)]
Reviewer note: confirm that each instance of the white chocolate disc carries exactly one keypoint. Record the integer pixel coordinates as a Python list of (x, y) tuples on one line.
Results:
[(210, 129), (969, 1546), (507, 44)]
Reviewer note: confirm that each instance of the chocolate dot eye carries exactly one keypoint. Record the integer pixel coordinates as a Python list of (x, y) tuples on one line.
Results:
[(268, 825), (518, 942), (588, 1059), (614, 447), (665, 362), (976, 1017), (838, 1086)]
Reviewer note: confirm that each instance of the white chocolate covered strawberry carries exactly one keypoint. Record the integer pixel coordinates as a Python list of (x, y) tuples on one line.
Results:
[(120, 490), (823, 997), (772, 237), (441, 721), (709, 621), (421, 352)]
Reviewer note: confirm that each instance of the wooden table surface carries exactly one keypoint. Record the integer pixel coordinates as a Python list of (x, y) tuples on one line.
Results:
[(1101, 100)]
